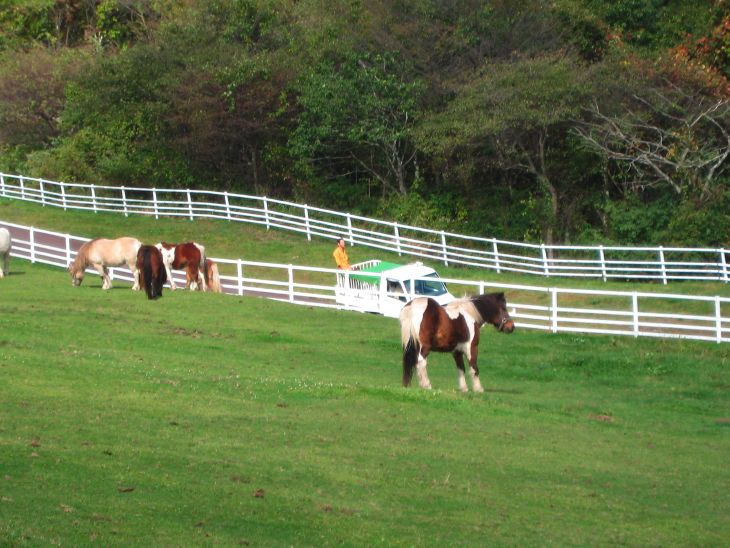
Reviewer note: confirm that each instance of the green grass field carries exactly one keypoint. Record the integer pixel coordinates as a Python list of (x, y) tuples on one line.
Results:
[(204, 419), (211, 419)]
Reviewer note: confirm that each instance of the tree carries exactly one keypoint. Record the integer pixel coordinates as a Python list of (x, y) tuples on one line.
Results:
[(358, 115), (516, 116), (667, 138)]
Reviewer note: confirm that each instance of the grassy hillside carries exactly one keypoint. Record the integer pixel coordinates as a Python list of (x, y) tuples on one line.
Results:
[(210, 419)]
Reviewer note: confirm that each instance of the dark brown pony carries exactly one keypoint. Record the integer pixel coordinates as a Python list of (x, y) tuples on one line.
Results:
[(152, 275), (189, 256), (427, 326)]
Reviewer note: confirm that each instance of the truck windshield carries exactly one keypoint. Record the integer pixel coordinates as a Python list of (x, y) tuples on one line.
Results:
[(431, 287)]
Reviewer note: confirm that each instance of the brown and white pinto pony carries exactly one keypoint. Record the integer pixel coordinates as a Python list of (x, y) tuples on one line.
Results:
[(427, 326), (151, 268), (101, 253), (188, 255)]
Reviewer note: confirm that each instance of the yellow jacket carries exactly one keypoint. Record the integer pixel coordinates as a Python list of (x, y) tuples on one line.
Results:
[(341, 258)]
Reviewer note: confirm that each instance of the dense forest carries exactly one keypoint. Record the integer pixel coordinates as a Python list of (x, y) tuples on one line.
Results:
[(563, 121)]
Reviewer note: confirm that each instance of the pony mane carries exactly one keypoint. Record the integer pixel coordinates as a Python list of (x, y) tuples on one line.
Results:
[(466, 307), (81, 260)]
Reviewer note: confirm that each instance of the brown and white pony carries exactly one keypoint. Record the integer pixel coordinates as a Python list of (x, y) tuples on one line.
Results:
[(101, 253), (151, 268), (188, 255), (427, 326)]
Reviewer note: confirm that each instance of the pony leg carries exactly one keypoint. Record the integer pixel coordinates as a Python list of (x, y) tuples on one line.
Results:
[(201, 280), (474, 370), (422, 373), (170, 279), (191, 279), (106, 282), (135, 274), (460, 371), (6, 266)]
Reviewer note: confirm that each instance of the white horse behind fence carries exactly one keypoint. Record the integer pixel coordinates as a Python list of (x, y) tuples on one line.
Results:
[(5, 243)]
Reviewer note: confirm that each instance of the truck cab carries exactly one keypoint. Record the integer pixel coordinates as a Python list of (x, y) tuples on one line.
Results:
[(384, 288)]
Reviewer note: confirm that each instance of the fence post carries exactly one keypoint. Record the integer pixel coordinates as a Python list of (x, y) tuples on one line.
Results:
[(291, 283), (544, 260), (63, 195), (396, 233), (602, 258), (93, 197), (663, 265), (718, 318), (496, 254), (43, 193), (349, 229), (154, 202), (2, 184), (190, 205), (32, 245), (228, 206), (635, 310), (553, 310), (443, 247), (723, 264), (306, 222), (68, 249), (124, 202), (22, 188), (266, 212), (239, 272)]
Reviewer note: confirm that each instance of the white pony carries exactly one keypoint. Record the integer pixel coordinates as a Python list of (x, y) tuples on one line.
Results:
[(101, 253), (5, 244)]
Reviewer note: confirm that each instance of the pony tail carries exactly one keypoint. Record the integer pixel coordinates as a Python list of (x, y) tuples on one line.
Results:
[(410, 358), (149, 286), (212, 277), (411, 345), (161, 276)]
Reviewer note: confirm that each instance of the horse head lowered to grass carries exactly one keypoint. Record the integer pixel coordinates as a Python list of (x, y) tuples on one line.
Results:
[(152, 274), (427, 326), (102, 253)]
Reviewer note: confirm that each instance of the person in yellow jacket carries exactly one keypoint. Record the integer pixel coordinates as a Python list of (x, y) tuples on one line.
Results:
[(340, 255)]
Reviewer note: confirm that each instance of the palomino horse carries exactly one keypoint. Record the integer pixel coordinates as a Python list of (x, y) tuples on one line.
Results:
[(152, 274), (101, 253), (427, 326), (188, 255), (212, 277), (5, 243)]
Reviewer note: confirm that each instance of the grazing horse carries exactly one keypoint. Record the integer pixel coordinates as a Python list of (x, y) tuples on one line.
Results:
[(212, 277), (5, 243), (427, 326), (101, 253), (152, 273), (188, 255)]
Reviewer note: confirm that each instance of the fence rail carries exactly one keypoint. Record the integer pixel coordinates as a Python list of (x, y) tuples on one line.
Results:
[(601, 262), (557, 310)]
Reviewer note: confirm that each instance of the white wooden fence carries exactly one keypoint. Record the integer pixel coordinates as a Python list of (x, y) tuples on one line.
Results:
[(550, 309), (603, 262)]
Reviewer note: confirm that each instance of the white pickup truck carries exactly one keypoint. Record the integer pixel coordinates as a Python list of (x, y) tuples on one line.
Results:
[(384, 288)]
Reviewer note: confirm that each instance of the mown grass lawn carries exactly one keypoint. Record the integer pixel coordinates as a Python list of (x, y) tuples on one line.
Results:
[(213, 419)]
